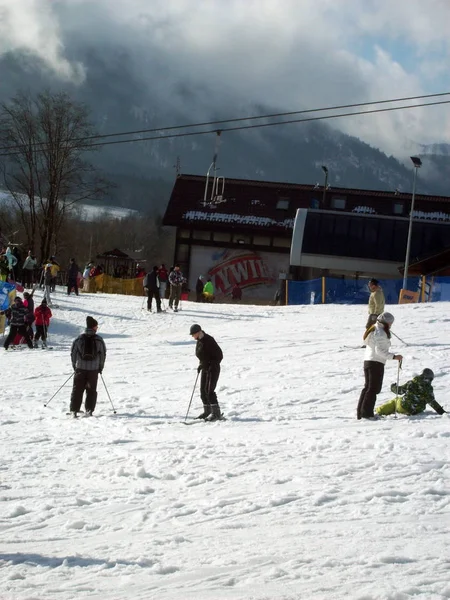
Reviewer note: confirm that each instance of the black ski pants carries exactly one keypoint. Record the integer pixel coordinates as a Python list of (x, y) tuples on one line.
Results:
[(27, 275), (373, 376), (153, 294), (84, 380), (72, 284), (21, 330), (208, 382), (41, 332)]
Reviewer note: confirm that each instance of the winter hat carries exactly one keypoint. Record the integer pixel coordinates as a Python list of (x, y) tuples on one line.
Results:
[(43, 301), (386, 317), (428, 375), (26, 295), (194, 329), (374, 281), (91, 322)]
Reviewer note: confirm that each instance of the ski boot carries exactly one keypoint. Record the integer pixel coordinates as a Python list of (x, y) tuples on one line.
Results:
[(206, 412), (215, 415)]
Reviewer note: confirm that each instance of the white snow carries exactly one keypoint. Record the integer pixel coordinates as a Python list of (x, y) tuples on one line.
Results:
[(290, 498)]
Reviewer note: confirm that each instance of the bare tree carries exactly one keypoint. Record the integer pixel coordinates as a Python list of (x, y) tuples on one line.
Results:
[(45, 140)]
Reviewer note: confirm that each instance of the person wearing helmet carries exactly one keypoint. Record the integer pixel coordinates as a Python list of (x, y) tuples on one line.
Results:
[(376, 301), (378, 342), (210, 356), (412, 397)]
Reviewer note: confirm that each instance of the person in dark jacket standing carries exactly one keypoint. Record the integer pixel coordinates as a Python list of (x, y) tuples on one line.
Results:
[(176, 280), (199, 289), (72, 277), (28, 302), (18, 325), (88, 356), (210, 356), (151, 286)]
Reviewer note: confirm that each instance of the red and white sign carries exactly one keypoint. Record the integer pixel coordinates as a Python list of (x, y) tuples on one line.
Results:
[(257, 273)]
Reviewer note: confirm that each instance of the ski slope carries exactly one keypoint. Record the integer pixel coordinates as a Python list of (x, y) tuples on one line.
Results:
[(290, 498)]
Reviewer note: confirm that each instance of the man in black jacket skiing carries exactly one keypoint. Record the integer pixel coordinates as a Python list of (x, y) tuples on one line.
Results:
[(210, 356), (88, 356), (151, 287)]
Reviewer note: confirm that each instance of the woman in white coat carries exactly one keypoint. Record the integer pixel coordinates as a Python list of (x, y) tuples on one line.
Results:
[(378, 342)]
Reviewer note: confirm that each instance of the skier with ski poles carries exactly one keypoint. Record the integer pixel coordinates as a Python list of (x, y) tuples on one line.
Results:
[(88, 356), (210, 356), (378, 341), (43, 315)]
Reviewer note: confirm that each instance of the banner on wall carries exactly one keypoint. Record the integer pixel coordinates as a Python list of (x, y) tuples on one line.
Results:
[(256, 273)]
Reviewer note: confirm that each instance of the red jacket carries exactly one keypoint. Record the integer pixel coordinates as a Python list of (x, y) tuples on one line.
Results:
[(43, 315), (163, 274)]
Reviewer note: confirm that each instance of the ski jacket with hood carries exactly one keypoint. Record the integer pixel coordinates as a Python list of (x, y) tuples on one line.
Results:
[(377, 345)]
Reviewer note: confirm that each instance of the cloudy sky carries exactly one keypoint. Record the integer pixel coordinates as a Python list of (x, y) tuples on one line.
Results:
[(291, 54)]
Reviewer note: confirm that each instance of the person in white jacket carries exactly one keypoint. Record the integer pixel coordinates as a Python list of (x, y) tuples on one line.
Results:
[(378, 342)]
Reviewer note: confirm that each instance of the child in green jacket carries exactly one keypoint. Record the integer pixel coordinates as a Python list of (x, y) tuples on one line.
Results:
[(412, 397)]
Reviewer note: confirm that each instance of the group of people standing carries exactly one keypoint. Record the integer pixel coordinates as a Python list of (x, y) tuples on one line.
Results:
[(155, 285), (21, 316), (414, 395)]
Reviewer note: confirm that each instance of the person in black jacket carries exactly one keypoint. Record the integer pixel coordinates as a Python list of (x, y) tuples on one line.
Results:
[(72, 277), (199, 289), (210, 356), (17, 315), (88, 356), (151, 287)]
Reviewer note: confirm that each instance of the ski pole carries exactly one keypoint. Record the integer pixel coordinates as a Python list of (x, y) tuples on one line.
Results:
[(190, 402), (398, 382), (70, 377), (399, 338), (114, 410)]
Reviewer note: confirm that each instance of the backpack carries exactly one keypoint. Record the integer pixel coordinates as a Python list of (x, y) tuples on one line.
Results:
[(89, 351)]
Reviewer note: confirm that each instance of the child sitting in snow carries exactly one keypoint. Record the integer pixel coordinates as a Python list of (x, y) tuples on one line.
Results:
[(413, 397)]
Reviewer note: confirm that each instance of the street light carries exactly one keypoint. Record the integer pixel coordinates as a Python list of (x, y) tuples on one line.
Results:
[(417, 163), (325, 170)]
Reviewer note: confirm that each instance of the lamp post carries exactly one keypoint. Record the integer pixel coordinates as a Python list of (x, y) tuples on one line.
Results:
[(417, 163), (325, 170)]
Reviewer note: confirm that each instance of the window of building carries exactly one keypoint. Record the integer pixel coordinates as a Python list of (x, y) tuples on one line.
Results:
[(282, 242), (184, 233), (283, 203), (398, 208), (201, 235), (261, 240), (221, 236), (241, 238), (338, 203), (182, 253)]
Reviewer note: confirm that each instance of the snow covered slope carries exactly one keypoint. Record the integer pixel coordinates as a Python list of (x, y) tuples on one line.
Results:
[(291, 497)]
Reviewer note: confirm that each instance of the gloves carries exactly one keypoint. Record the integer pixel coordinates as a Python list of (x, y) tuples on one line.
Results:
[(199, 368), (394, 388)]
